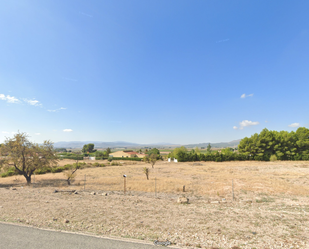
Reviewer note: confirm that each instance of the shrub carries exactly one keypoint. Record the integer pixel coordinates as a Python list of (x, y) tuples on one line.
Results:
[(125, 158), (110, 159), (273, 158), (101, 158), (67, 166), (57, 170), (10, 172), (116, 164)]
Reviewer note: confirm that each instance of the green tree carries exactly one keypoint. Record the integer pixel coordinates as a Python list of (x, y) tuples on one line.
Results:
[(176, 151), (285, 145), (108, 151), (197, 150), (156, 152), (152, 159), (25, 156), (99, 153), (88, 148), (227, 151), (208, 148)]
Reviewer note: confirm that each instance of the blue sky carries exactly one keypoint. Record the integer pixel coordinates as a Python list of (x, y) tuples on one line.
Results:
[(152, 71)]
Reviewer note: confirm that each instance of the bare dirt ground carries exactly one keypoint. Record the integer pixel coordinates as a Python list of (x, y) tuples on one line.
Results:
[(270, 207)]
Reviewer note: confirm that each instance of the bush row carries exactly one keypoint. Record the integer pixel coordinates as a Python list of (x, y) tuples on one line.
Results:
[(12, 171), (219, 157), (71, 157), (126, 158)]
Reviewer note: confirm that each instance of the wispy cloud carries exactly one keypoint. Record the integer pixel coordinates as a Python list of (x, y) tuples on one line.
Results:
[(224, 40), (38, 134), (85, 14), (9, 99), (245, 123), (245, 96), (294, 125), (67, 130), (57, 110), (12, 99), (32, 102)]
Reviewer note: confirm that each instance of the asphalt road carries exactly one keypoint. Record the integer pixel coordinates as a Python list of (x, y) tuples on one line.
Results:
[(21, 237)]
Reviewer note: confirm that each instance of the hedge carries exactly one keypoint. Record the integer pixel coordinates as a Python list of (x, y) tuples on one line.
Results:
[(126, 158), (219, 157), (71, 157)]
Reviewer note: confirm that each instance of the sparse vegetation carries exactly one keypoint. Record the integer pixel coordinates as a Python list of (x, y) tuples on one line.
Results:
[(152, 159), (146, 172), (25, 156), (70, 173), (273, 158)]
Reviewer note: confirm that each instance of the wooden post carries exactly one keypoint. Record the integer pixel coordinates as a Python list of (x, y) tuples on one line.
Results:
[(233, 188), (33, 179), (183, 188), (124, 185)]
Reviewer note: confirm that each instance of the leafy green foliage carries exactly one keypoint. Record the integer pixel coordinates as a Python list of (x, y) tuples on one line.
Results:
[(285, 145), (26, 157), (208, 148), (273, 158), (88, 148), (125, 158), (155, 152), (152, 159)]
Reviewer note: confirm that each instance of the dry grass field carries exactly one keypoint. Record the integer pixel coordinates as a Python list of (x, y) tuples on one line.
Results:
[(270, 208), (207, 179)]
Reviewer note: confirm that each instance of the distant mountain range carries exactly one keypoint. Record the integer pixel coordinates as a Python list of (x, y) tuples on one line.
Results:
[(215, 145), (121, 144)]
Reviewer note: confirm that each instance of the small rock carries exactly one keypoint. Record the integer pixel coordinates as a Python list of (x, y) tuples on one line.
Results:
[(66, 221), (55, 219), (47, 201), (104, 194), (93, 193), (13, 188), (183, 200), (76, 192)]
